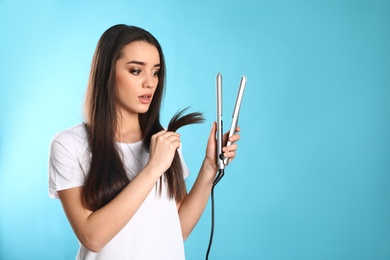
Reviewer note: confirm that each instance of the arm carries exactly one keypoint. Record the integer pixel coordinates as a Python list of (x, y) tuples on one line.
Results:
[(193, 205), (92, 228)]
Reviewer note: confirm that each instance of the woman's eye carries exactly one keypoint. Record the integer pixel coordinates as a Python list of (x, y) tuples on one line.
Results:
[(155, 73), (135, 72)]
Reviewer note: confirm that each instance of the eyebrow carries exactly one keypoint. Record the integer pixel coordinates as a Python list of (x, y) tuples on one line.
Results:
[(142, 63)]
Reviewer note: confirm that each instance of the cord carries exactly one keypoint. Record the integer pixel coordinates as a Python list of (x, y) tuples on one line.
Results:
[(219, 176), (217, 179), (212, 223)]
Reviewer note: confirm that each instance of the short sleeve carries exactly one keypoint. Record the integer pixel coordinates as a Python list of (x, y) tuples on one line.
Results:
[(67, 160)]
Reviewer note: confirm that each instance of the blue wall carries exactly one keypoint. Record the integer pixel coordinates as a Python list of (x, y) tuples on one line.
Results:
[(312, 179)]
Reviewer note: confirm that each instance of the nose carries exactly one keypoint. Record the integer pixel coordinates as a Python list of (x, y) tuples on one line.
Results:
[(149, 81)]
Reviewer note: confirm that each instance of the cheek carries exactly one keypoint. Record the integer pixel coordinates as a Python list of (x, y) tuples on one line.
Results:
[(124, 83), (120, 80), (156, 84), (123, 88)]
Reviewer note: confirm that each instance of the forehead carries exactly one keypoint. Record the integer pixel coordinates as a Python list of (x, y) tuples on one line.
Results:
[(140, 51)]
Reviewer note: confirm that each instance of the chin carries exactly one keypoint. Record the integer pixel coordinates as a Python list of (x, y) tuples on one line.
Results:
[(143, 111)]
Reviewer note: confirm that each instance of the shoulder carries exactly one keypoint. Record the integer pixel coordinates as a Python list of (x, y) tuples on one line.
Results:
[(77, 133), (71, 139)]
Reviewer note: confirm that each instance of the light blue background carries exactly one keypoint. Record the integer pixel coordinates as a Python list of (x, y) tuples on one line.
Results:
[(312, 177)]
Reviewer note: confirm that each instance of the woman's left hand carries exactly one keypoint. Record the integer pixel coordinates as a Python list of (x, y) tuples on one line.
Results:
[(228, 151)]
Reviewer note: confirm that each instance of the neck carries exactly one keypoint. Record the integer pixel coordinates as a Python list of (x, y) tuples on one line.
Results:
[(129, 129)]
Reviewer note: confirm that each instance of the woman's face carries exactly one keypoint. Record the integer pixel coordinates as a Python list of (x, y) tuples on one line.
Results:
[(137, 77)]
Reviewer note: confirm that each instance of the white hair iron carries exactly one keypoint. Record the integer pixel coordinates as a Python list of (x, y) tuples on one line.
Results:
[(222, 161)]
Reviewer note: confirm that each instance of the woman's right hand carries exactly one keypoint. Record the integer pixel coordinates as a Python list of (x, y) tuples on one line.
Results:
[(162, 150)]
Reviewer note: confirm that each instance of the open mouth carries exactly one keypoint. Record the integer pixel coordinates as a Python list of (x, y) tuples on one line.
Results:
[(145, 99)]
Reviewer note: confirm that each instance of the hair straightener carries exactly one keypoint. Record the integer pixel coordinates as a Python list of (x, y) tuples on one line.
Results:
[(222, 161)]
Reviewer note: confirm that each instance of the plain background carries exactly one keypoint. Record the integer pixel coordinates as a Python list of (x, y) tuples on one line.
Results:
[(312, 176)]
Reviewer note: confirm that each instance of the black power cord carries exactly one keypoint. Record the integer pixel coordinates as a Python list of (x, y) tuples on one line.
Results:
[(217, 179)]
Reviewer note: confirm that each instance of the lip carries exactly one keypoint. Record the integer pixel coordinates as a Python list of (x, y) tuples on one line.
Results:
[(145, 98)]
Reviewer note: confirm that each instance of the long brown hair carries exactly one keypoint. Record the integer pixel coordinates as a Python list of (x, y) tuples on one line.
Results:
[(107, 176)]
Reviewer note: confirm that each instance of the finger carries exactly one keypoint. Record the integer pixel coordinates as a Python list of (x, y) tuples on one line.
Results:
[(234, 138), (168, 138), (165, 134), (171, 136), (213, 132), (177, 144), (230, 154), (159, 134), (238, 129), (231, 139), (230, 148), (168, 133)]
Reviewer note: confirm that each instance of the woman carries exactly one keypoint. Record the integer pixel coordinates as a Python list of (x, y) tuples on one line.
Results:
[(115, 174)]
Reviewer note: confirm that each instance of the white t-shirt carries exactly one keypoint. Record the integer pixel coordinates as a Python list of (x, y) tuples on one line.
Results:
[(154, 231)]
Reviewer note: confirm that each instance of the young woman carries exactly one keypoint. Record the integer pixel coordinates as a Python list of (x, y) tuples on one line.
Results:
[(115, 174)]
